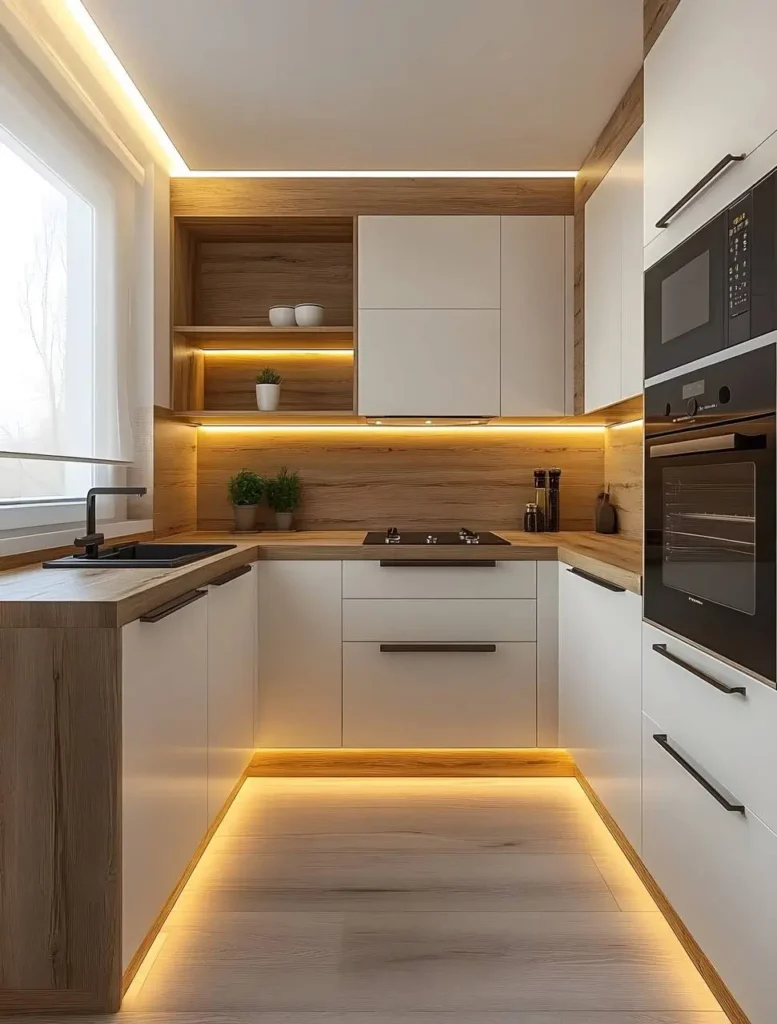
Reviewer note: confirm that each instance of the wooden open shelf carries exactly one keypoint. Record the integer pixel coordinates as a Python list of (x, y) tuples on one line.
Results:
[(290, 339), (232, 418)]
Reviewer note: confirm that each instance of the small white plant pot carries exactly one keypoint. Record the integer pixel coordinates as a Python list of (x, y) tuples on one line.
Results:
[(309, 314), (245, 517), (283, 520), (282, 316), (267, 397)]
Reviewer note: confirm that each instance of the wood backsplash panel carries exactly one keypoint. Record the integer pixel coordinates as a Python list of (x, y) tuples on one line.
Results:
[(175, 475), (237, 282), (373, 478), (309, 382), (623, 471)]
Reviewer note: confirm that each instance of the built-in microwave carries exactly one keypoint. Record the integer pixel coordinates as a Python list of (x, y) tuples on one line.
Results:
[(717, 288)]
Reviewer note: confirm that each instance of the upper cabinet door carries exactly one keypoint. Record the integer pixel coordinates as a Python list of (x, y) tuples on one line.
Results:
[(710, 83), (603, 295), (428, 262), (534, 287), (629, 171)]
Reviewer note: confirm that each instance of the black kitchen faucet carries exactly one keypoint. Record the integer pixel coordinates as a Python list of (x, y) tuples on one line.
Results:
[(92, 540)]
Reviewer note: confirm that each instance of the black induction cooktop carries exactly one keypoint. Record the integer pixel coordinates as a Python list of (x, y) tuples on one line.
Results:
[(457, 538)]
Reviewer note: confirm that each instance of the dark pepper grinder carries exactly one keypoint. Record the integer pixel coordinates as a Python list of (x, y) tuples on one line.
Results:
[(553, 518), (540, 499)]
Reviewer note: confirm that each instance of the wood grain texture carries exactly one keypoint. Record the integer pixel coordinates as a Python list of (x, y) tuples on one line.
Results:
[(60, 881), (175, 475), (369, 479), (623, 473), (411, 763), (308, 382), (24, 558), (273, 338), (655, 15), (705, 968), (352, 197), (613, 139)]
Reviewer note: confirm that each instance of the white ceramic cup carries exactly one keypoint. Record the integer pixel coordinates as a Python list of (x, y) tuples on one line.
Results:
[(282, 316), (309, 314)]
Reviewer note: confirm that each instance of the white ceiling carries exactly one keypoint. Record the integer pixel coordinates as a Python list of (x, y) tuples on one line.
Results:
[(378, 84)]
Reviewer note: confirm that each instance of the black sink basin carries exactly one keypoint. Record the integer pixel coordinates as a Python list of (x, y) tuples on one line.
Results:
[(141, 556)]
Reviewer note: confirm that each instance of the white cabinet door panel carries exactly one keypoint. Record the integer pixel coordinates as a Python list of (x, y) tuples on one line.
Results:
[(299, 695), (603, 295), (164, 760), (629, 171), (506, 579), (439, 699), (434, 621), (429, 362), (428, 262), (534, 288)]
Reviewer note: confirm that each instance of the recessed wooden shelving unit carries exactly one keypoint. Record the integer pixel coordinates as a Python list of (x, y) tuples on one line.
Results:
[(240, 418), (292, 339)]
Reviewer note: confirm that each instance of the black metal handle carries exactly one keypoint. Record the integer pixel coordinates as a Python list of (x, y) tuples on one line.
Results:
[(172, 606), (436, 563), (233, 574), (599, 582), (723, 687), (719, 167), (724, 799), (438, 648)]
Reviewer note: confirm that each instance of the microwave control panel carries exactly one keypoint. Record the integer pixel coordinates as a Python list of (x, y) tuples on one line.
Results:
[(739, 257)]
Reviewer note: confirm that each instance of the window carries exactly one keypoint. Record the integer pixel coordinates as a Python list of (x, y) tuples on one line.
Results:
[(66, 250)]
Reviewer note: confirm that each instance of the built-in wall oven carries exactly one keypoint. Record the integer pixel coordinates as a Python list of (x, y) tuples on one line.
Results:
[(710, 493), (718, 287)]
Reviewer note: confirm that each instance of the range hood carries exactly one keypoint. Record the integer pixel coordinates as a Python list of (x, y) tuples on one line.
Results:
[(428, 421)]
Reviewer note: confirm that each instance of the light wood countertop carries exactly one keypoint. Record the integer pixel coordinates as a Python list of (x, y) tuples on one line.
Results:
[(112, 597)]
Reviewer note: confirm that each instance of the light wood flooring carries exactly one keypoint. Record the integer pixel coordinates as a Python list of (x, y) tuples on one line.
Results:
[(416, 901)]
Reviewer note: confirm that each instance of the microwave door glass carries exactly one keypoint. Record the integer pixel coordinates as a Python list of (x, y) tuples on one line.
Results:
[(685, 298), (709, 531)]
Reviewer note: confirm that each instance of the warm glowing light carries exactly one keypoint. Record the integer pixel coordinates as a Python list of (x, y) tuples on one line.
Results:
[(480, 429), (630, 423), (379, 174), (279, 352), (428, 423), (142, 973), (113, 65)]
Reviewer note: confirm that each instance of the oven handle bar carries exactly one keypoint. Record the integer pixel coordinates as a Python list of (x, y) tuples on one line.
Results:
[(724, 799), (718, 443), (723, 687), (719, 167)]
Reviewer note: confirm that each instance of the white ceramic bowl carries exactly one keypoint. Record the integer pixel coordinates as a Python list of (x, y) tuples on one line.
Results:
[(282, 316), (309, 314)]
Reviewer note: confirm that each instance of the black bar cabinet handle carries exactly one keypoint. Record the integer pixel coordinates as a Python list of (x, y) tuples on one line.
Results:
[(599, 582), (723, 798), (723, 687), (438, 648), (233, 574), (719, 167), (156, 614), (436, 563)]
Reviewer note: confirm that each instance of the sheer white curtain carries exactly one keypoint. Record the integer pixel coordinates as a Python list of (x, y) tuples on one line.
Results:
[(67, 262)]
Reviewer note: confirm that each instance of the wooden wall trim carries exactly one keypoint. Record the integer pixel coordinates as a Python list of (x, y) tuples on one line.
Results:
[(353, 197), (175, 475), (476, 763), (655, 15)]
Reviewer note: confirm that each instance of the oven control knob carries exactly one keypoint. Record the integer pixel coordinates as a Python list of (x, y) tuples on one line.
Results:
[(692, 406)]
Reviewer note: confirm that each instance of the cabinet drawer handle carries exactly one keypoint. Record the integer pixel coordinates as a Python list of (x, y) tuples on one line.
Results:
[(723, 687), (724, 799), (435, 563), (719, 167), (233, 574), (599, 582), (438, 648), (170, 607)]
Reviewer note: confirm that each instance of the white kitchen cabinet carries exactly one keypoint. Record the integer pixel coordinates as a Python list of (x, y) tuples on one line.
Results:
[(371, 579), (436, 621), (614, 283), (428, 263), (710, 81), (600, 692), (717, 869), (164, 758), (232, 628), (299, 695), (534, 314), (429, 362), (439, 698)]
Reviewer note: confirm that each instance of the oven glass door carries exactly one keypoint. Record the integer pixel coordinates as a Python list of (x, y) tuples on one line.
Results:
[(685, 301), (710, 539)]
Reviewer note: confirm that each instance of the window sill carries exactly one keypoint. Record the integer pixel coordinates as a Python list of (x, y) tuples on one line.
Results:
[(17, 542)]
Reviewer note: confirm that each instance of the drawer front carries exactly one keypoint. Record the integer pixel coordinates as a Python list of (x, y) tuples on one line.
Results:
[(505, 579), (717, 868), (732, 734), (439, 699), (421, 620)]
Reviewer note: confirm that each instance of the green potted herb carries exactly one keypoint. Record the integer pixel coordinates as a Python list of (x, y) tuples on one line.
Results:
[(268, 389), (245, 492), (283, 494)]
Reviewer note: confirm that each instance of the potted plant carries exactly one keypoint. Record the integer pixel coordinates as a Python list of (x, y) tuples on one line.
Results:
[(268, 389), (283, 493), (245, 493)]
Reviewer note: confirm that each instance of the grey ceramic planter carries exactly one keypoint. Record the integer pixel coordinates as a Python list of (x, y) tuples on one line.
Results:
[(245, 517), (283, 520)]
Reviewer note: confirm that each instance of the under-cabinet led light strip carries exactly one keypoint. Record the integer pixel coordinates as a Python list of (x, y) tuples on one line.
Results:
[(481, 430), (278, 352)]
